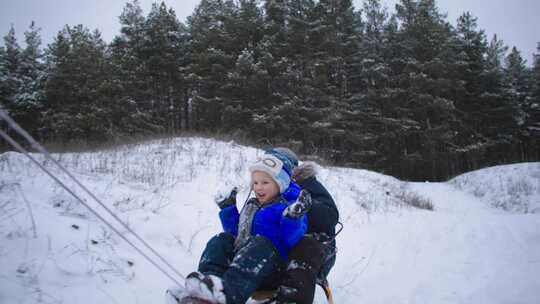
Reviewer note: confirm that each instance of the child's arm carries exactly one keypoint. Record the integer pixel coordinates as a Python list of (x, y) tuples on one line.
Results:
[(292, 230), (294, 221), (229, 217)]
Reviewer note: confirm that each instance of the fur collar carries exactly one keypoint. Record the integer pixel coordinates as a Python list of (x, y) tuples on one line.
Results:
[(304, 171)]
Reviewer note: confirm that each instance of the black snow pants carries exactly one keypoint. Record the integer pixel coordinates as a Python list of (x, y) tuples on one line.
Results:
[(309, 260)]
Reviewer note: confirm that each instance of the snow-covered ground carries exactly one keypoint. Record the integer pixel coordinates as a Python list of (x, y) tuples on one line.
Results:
[(480, 244), (512, 188)]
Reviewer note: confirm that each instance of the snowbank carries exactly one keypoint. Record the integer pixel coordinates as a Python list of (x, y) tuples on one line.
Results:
[(52, 250), (510, 187)]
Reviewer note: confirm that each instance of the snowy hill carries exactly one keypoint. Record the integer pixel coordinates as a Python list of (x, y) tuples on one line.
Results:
[(467, 250), (510, 187)]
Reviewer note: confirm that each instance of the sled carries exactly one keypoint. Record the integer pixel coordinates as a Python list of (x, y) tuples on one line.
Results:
[(193, 300), (262, 297), (267, 296), (175, 297), (258, 297), (327, 291)]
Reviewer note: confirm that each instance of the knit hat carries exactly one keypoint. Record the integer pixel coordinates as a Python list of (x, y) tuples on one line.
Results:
[(274, 167), (287, 156)]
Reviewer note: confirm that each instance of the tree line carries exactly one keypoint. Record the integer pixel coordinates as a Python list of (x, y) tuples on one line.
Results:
[(407, 94)]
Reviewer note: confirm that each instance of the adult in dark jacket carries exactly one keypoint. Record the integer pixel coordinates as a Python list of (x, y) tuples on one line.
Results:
[(313, 257)]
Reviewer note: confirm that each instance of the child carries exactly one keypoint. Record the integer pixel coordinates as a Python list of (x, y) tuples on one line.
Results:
[(253, 249)]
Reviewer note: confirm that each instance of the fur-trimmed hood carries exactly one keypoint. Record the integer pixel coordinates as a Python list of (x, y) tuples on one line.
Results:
[(304, 171)]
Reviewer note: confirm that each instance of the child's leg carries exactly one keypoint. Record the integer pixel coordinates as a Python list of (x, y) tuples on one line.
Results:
[(252, 265), (217, 255)]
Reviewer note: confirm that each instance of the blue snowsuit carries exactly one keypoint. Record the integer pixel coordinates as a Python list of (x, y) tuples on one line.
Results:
[(260, 260)]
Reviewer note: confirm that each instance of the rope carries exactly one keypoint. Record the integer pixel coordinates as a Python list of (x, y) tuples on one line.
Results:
[(40, 148)]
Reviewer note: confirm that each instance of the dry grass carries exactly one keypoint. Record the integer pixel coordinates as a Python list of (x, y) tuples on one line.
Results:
[(415, 200)]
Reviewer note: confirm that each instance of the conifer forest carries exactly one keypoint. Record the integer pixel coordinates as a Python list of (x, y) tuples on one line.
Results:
[(408, 93)]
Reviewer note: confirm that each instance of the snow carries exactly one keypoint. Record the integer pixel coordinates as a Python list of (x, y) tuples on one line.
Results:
[(510, 187), (480, 244)]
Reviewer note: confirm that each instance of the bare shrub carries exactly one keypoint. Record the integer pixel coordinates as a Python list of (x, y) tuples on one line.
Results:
[(415, 200), (519, 187), (479, 191)]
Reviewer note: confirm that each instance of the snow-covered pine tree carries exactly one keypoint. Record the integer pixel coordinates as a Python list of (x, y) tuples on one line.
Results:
[(495, 116), (371, 77), (246, 88), (10, 57), (471, 47), (243, 92), (334, 41), (249, 25), (533, 123), (164, 54), (424, 100), (517, 84), (28, 101), (337, 39), (212, 58), (374, 69), (275, 27), (130, 90), (77, 103)]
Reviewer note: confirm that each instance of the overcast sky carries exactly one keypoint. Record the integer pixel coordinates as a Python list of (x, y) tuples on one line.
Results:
[(516, 22)]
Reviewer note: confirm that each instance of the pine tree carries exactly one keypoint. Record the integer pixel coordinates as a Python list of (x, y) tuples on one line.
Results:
[(77, 103), (494, 65), (338, 43), (131, 107), (495, 118), (212, 57), (295, 61), (247, 86), (22, 73), (533, 112), (249, 25), (334, 38), (472, 46), (275, 27), (517, 87), (10, 56), (247, 93), (3, 78), (374, 67), (164, 53), (28, 99), (534, 109), (373, 79), (423, 114), (536, 74)]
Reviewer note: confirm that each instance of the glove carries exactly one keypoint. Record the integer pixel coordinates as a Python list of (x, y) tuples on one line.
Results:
[(297, 209), (228, 199)]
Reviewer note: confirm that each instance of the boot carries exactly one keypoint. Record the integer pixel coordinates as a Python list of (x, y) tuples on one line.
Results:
[(205, 287)]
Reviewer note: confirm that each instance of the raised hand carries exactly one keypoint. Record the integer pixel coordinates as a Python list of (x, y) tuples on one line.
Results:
[(226, 199), (297, 209)]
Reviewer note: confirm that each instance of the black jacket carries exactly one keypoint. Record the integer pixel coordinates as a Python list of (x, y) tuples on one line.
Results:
[(323, 215)]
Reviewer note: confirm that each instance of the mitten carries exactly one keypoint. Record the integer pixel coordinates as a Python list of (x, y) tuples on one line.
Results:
[(224, 200), (297, 209)]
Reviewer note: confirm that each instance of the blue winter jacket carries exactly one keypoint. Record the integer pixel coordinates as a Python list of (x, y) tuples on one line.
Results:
[(269, 221)]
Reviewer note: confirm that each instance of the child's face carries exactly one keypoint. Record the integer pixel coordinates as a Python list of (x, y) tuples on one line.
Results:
[(264, 186)]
